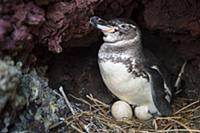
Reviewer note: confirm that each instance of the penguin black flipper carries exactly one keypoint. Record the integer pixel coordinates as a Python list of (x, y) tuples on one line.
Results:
[(151, 60), (158, 91)]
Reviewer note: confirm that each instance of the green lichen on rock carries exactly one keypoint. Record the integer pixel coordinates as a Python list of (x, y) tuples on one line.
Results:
[(27, 95), (10, 75), (45, 105)]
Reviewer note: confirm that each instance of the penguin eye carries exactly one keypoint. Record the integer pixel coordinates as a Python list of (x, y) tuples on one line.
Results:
[(123, 26)]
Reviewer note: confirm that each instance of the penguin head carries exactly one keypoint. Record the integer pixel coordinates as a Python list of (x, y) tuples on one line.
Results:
[(116, 30)]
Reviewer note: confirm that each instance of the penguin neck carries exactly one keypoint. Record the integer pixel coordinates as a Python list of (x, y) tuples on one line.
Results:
[(126, 48)]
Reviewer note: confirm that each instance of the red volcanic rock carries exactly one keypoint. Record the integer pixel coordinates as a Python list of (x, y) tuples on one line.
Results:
[(21, 34), (16, 22), (173, 16), (28, 13), (57, 22), (66, 20), (5, 27)]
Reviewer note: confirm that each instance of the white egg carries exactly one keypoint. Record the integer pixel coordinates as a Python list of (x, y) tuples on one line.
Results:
[(121, 110), (141, 112)]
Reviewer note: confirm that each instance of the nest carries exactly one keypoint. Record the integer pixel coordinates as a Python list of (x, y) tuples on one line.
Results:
[(97, 118)]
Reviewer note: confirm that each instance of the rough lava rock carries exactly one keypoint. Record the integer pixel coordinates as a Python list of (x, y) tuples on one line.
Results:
[(52, 23), (10, 74), (26, 100), (173, 16), (9, 81)]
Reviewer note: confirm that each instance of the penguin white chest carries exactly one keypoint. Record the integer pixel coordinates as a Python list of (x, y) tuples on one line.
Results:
[(126, 86)]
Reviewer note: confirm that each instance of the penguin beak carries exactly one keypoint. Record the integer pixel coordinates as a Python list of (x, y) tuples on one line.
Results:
[(101, 24)]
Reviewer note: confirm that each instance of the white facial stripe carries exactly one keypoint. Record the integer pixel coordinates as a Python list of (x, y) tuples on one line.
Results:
[(132, 26)]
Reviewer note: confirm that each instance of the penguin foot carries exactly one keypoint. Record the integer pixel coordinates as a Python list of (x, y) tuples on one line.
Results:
[(154, 115)]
